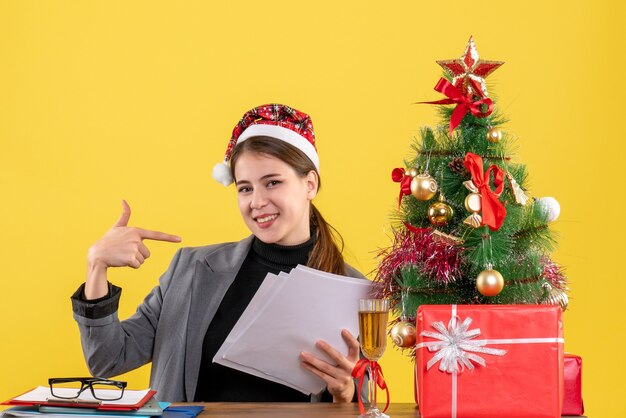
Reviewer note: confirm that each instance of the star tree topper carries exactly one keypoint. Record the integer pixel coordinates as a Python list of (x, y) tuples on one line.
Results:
[(469, 72)]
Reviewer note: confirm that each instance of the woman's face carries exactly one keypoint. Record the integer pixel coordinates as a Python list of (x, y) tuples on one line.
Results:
[(274, 199)]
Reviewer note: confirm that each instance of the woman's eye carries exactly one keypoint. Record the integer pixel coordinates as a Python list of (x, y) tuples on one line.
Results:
[(244, 189), (274, 183)]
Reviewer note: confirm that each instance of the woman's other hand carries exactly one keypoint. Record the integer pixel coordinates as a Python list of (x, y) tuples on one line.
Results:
[(339, 381)]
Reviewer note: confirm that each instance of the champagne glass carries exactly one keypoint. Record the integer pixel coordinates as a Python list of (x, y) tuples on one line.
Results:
[(373, 318)]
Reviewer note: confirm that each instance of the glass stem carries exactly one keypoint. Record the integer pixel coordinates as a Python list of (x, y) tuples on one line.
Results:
[(372, 386)]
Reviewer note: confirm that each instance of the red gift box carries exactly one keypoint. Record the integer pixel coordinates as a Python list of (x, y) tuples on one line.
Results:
[(572, 385), (479, 361)]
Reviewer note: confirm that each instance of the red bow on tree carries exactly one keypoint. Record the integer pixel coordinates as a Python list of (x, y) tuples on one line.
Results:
[(464, 103), (359, 373), (493, 211), (399, 176)]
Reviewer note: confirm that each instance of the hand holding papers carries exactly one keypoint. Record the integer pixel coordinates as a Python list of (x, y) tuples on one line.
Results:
[(287, 315)]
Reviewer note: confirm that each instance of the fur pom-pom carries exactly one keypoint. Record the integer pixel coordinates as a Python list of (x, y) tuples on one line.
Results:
[(221, 173)]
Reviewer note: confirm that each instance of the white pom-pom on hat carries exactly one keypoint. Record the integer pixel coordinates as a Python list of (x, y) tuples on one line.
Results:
[(221, 173)]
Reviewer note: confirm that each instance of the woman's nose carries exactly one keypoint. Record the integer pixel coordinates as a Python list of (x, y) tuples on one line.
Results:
[(259, 199)]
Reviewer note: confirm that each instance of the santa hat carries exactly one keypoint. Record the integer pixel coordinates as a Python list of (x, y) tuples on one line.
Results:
[(276, 121)]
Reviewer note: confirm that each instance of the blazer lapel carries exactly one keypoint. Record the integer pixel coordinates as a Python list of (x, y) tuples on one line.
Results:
[(212, 278)]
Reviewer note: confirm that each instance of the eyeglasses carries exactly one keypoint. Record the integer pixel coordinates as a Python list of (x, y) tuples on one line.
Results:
[(101, 389)]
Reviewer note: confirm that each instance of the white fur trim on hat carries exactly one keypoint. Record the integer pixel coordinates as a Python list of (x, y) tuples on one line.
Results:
[(284, 134)]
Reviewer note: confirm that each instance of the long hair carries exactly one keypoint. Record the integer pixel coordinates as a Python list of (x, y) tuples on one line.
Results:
[(326, 252)]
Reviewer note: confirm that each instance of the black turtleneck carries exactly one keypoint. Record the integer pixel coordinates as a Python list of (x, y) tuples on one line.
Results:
[(217, 383)]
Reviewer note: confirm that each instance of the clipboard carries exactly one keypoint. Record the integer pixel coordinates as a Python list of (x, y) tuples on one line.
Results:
[(41, 396), (150, 408)]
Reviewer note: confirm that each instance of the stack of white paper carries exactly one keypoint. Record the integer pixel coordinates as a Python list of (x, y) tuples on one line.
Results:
[(287, 315)]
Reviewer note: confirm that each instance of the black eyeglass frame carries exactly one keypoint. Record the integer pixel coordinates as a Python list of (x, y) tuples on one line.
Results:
[(87, 383)]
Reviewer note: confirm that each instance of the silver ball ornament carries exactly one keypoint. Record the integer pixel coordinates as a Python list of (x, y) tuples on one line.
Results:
[(550, 206)]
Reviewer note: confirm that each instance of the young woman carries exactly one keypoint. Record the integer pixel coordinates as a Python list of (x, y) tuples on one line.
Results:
[(185, 319)]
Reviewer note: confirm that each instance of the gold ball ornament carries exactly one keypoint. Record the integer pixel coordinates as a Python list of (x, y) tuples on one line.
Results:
[(440, 213), (489, 282), (403, 334), (423, 186), (494, 135), (411, 172)]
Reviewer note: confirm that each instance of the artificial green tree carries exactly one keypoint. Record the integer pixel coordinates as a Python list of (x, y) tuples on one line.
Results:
[(466, 230)]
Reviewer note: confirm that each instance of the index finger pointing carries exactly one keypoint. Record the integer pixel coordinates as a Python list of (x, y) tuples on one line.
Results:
[(158, 236)]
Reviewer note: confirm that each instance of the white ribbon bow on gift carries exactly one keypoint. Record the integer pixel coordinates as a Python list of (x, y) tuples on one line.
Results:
[(457, 346)]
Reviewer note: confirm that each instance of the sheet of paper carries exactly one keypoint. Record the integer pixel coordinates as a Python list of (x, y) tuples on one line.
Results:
[(257, 373), (264, 295), (42, 394), (322, 274), (32, 412), (268, 289), (310, 306)]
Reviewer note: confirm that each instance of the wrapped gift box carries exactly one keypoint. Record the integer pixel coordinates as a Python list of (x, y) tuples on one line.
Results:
[(479, 361), (572, 385)]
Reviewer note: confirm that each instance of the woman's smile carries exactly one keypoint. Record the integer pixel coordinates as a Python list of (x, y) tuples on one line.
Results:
[(265, 221)]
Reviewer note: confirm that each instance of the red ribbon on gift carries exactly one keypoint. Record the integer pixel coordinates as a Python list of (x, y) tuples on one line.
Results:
[(464, 103), (359, 373), (493, 211), (399, 176)]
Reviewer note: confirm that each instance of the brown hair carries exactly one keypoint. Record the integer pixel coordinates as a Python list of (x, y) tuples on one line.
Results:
[(325, 254)]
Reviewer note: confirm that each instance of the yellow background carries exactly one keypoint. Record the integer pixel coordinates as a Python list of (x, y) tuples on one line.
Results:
[(104, 100)]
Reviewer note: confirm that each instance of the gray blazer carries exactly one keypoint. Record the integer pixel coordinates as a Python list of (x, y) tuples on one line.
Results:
[(169, 326)]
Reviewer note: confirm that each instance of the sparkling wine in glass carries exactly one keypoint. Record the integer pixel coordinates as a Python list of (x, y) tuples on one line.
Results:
[(373, 318)]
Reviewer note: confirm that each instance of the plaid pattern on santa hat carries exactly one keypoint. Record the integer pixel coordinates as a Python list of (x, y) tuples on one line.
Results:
[(273, 120)]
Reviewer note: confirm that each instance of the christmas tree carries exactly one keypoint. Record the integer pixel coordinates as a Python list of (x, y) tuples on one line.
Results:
[(466, 230)]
